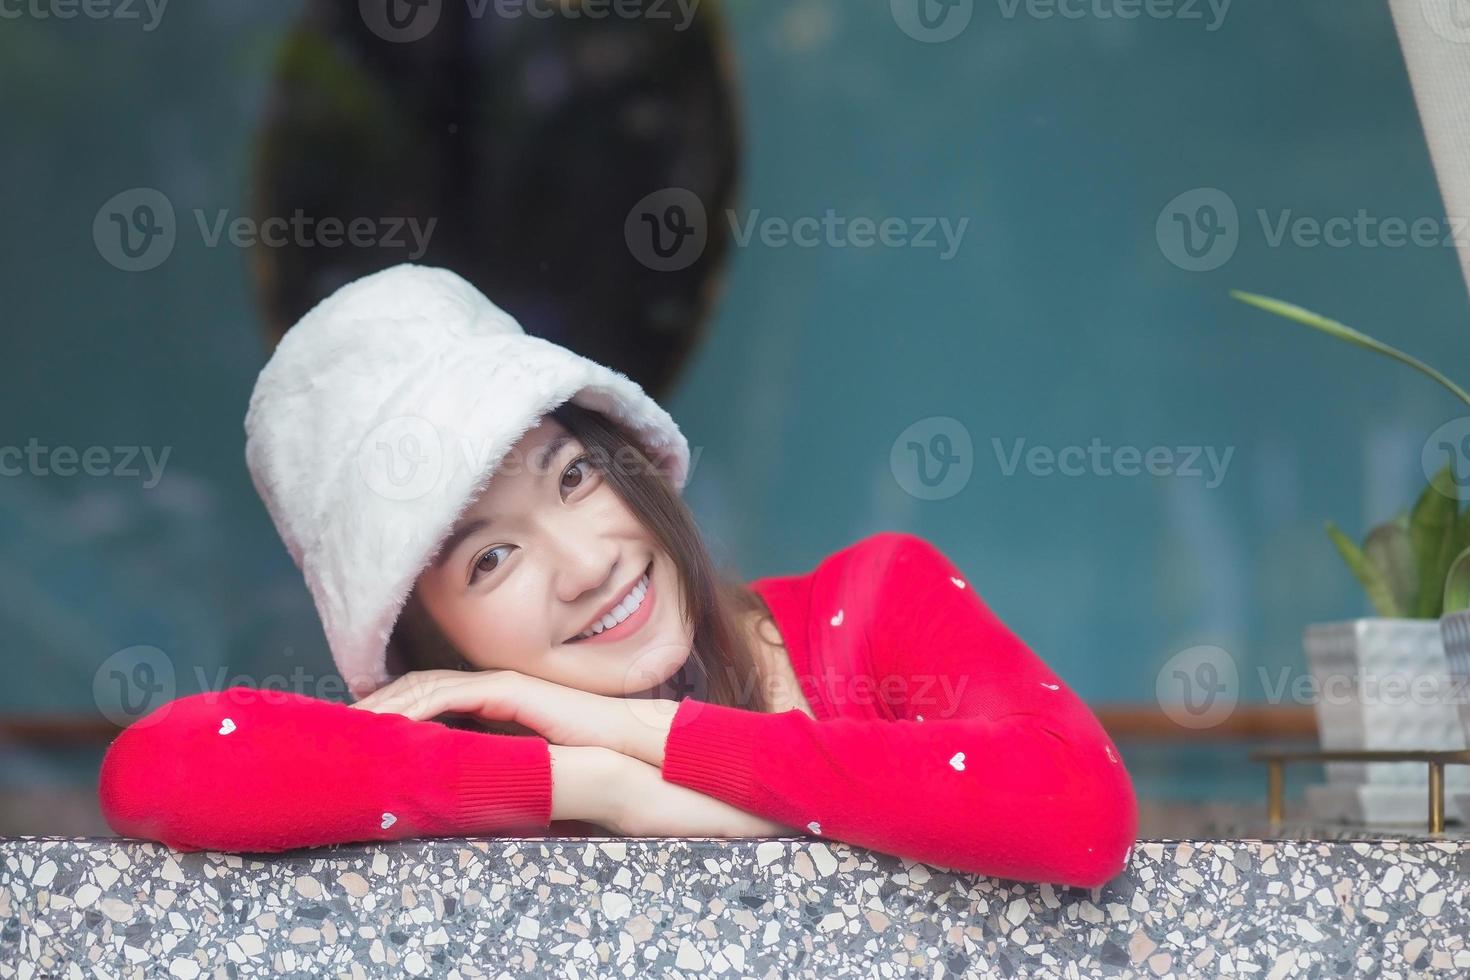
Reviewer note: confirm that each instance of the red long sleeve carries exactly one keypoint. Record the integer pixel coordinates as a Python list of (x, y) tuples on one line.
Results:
[(1007, 774), (259, 770)]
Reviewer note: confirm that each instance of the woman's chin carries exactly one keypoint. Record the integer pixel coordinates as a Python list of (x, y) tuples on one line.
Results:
[(650, 668), (639, 671)]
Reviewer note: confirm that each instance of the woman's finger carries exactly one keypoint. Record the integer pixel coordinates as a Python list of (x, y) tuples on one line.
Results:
[(396, 690), (411, 695), (426, 694)]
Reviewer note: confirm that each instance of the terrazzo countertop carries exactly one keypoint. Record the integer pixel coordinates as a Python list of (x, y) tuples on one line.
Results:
[(769, 908), (1308, 829)]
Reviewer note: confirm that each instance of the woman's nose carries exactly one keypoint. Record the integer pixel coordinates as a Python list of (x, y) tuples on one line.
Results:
[(582, 566)]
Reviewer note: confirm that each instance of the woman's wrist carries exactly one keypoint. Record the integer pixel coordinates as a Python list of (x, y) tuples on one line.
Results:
[(584, 782), (644, 729)]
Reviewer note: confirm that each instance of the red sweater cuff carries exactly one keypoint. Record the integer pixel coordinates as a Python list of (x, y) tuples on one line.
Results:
[(712, 748), (499, 783)]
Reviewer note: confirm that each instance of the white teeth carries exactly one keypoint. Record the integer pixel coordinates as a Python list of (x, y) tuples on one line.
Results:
[(622, 610)]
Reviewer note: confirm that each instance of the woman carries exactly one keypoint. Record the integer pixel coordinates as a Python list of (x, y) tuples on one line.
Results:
[(491, 528)]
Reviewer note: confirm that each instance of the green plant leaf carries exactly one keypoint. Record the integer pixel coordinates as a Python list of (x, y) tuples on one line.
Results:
[(1368, 574), (1390, 550), (1432, 533), (1457, 584), (1343, 332), (1462, 533)]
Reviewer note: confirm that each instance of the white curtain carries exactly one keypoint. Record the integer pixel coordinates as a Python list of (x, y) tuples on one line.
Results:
[(1435, 35)]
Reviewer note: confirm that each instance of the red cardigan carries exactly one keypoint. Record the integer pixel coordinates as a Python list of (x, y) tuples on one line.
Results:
[(939, 736)]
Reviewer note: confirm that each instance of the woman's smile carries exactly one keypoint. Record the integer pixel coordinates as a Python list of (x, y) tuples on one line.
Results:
[(641, 598)]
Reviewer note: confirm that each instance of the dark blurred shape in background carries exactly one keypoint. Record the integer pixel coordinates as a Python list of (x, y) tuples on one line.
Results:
[(527, 141)]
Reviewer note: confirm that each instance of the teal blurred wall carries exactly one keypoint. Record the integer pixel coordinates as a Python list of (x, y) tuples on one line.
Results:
[(1059, 320)]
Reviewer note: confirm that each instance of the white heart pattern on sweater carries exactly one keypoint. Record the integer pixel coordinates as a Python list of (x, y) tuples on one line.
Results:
[(227, 726), (814, 827), (959, 582), (388, 820), (958, 761), (1050, 687), (837, 620)]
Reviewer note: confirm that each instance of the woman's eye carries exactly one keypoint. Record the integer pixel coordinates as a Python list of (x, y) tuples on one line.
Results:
[(582, 473), (481, 568)]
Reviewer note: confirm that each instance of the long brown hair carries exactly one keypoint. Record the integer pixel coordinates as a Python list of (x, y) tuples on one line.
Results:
[(722, 666)]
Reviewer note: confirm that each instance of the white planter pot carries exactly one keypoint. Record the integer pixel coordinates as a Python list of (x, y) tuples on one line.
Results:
[(1454, 630), (1385, 684)]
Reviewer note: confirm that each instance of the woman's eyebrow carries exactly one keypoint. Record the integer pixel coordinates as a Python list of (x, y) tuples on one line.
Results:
[(462, 531), (457, 536), (548, 453)]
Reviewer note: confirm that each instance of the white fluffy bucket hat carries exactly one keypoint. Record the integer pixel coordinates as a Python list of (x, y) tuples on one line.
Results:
[(383, 414)]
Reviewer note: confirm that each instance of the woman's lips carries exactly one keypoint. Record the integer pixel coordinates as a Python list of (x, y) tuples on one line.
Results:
[(630, 625)]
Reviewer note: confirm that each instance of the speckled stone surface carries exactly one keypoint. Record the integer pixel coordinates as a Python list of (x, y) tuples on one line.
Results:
[(513, 907)]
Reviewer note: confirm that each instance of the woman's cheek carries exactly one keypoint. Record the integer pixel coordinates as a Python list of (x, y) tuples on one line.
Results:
[(491, 646)]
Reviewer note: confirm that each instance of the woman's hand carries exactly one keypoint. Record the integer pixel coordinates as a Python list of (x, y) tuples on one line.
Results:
[(643, 804), (562, 715), (618, 790), (425, 694)]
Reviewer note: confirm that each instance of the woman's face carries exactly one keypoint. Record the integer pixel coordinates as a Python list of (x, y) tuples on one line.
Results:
[(543, 554)]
